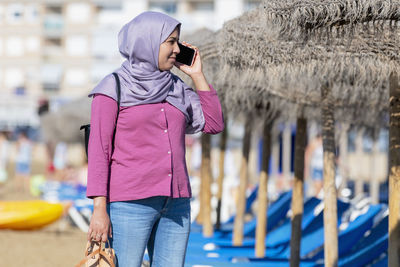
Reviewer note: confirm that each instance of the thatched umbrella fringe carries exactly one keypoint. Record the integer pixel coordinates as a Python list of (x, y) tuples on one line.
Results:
[(247, 89), (311, 14)]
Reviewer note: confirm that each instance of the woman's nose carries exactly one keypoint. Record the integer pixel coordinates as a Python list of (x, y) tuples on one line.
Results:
[(176, 49)]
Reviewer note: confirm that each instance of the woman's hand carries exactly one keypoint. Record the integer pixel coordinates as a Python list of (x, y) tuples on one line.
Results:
[(195, 71), (196, 68), (100, 227)]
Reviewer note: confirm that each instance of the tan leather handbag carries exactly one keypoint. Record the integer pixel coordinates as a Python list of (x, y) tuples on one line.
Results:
[(98, 255)]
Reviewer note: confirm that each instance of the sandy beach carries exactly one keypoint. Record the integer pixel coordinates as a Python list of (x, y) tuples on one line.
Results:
[(56, 245)]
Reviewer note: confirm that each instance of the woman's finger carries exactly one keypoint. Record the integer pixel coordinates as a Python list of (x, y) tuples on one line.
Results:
[(110, 231), (89, 234), (96, 237), (104, 237), (189, 45)]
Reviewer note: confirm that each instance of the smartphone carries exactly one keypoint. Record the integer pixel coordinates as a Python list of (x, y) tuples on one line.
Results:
[(186, 56)]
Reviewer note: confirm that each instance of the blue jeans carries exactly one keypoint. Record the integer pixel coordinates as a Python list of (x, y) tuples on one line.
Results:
[(160, 223)]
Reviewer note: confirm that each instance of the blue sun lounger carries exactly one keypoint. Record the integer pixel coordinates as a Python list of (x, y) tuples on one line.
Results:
[(281, 235), (276, 213), (315, 222), (199, 261), (382, 262), (224, 248), (369, 248), (312, 244), (355, 231), (227, 226)]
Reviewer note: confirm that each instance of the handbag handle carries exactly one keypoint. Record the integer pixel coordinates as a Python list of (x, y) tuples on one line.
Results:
[(107, 257)]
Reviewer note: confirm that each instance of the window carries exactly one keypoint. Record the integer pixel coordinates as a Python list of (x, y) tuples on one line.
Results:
[(51, 77), (110, 7), (78, 13), (101, 44), (32, 13), (169, 7), (32, 44), (77, 45), (53, 23), (14, 77), (76, 77), (100, 70), (15, 13), (1, 14), (14, 47)]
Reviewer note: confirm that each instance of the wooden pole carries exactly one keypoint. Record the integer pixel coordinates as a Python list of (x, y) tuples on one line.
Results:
[(239, 218), (298, 191), (262, 196), (330, 194), (394, 175), (222, 148), (206, 184)]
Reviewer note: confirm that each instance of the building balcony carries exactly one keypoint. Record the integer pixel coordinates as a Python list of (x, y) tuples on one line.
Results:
[(53, 25)]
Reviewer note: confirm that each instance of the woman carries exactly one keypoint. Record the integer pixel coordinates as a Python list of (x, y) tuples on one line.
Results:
[(141, 189)]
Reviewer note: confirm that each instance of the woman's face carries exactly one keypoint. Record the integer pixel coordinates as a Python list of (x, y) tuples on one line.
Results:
[(168, 51)]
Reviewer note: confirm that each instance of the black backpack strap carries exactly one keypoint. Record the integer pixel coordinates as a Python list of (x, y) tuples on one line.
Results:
[(87, 126), (119, 105)]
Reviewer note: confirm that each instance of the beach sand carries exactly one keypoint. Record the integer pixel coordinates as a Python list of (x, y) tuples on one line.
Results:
[(57, 245)]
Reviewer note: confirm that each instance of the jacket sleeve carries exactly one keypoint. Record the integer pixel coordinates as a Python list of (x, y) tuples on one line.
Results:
[(213, 116), (102, 124)]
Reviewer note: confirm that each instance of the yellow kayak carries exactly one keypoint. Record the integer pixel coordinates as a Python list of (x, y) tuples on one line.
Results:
[(28, 215)]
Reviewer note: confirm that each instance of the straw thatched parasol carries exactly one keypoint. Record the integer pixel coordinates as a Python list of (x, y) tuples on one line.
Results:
[(251, 90), (325, 68), (63, 125), (366, 34), (301, 17), (245, 73), (244, 98)]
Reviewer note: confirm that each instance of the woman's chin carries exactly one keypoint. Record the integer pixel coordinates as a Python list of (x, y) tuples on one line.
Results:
[(166, 67)]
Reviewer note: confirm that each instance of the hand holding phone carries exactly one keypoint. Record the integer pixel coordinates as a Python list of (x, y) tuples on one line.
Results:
[(189, 62), (186, 55)]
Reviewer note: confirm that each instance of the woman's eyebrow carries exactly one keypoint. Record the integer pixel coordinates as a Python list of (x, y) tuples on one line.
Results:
[(173, 38)]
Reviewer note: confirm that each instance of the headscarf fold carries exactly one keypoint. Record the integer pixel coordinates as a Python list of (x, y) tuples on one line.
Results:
[(141, 80)]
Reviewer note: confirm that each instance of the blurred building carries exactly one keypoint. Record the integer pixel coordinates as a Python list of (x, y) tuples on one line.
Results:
[(59, 49)]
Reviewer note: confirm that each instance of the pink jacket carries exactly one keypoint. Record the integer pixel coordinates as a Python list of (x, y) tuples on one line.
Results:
[(149, 155)]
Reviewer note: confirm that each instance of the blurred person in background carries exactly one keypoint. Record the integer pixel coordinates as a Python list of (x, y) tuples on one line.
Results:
[(4, 156), (23, 163), (314, 164), (141, 188), (60, 160)]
